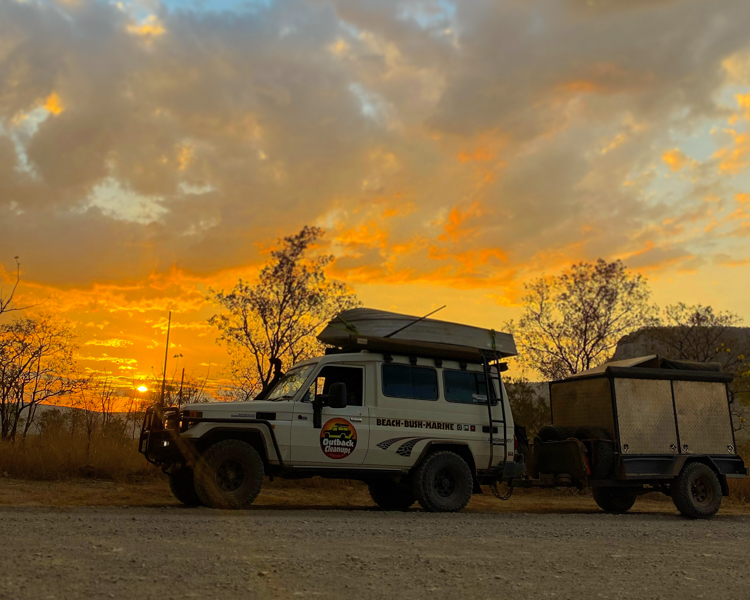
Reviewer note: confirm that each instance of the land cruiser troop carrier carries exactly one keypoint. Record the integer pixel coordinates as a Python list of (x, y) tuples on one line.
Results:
[(425, 428)]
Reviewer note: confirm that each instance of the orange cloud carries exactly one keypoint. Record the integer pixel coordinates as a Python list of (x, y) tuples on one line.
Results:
[(675, 159), (479, 155), (605, 78), (736, 159), (54, 104), (111, 343), (455, 226), (369, 235), (149, 27), (742, 198)]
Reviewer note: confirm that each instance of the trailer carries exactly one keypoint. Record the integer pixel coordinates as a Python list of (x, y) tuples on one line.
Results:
[(641, 425)]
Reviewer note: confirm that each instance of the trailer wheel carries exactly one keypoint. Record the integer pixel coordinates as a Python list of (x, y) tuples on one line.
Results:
[(390, 495), (183, 487), (615, 500), (443, 482), (229, 474), (554, 433), (697, 491)]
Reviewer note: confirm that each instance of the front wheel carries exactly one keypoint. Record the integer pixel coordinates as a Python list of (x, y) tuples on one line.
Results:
[(183, 487), (614, 500), (697, 491), (229, 474), (443, 482)]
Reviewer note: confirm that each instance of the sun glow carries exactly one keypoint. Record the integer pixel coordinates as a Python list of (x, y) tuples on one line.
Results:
[(142, 388)]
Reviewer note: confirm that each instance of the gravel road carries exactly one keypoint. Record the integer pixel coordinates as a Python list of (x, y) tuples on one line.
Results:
[(200, 553)]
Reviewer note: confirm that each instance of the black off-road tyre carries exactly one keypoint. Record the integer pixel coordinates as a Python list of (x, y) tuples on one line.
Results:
[(554, 433), (183, 487), (229, 475), (603, 459), (443, 482), (697, 491), (390, 495), (614, 500)]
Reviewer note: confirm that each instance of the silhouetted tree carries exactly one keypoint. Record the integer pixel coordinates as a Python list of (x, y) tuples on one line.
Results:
[(530, 409), (278, 316), (701, 334), (6, 298), (36, 359), (572, 322)]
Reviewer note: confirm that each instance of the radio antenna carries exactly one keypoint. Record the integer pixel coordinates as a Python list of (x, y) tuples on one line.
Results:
[(416, 321)]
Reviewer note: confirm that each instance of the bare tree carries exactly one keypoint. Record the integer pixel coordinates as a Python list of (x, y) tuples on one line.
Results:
[(278, 316), (6, 298), (572, 322), (701, 334), (36, 356), (93, 396)]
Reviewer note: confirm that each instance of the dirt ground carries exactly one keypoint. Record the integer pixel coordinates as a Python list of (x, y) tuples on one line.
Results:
[(309, 495), (105, 540)]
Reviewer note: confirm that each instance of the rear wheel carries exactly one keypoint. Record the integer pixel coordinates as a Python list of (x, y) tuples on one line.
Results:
[(614, 500), (229, 474), (183, 487), (390, 495), (443, 482), (697, 491)]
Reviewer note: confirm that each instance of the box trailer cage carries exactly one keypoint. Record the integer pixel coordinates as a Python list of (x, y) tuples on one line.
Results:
[(659, 414)]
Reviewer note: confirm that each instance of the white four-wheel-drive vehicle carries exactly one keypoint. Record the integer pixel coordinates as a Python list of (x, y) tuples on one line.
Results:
[(416, 409), (416, 420)]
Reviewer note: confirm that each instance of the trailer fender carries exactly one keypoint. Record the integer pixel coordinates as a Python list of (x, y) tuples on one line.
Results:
[(683, 460)]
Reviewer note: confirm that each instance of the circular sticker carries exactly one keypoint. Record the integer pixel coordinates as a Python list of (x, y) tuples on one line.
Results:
[(338, 438)]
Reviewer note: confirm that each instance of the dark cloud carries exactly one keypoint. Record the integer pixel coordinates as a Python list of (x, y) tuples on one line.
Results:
[(190, 138)]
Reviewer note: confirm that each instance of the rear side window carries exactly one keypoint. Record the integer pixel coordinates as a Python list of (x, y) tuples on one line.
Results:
[(465, 387), (405, 381)]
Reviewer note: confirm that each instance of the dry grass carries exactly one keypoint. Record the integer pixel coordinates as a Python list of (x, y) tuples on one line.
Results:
[(111, 458), (62, 456)]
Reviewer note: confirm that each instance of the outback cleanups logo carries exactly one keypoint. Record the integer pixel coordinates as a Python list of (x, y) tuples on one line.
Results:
[(338, 438)]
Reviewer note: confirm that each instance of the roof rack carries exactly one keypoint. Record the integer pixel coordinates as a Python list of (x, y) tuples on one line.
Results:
[(392, 346)]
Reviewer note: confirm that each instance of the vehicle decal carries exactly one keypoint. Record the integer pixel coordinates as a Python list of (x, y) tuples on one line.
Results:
[(415, 424), (388, 443), (405, 448), (338, 438), (418, 424)]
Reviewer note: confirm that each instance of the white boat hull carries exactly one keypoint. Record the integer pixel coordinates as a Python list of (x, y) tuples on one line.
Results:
[(368, 322)]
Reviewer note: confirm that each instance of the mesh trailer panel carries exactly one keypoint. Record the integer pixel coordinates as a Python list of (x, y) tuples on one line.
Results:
[(703, 417), (645, 415), (585, 402)]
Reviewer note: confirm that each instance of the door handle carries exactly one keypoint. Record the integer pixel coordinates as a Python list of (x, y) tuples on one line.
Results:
[(357, 419)]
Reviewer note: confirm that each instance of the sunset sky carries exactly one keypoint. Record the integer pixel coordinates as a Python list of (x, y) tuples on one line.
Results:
[(452, 150)]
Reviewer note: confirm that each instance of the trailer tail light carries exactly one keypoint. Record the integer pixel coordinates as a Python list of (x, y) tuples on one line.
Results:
[(515, 443)]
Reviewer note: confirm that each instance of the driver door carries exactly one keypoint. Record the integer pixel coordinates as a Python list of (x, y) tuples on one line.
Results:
[(344, 436)]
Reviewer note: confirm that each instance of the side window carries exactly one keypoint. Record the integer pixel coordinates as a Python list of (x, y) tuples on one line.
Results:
[(465, 387), (406, 381), (351, 376)]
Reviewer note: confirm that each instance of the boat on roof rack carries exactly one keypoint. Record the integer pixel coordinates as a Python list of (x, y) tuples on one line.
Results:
[(388, 332)]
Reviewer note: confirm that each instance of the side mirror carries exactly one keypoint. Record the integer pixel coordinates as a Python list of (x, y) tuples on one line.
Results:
[(337, 395)]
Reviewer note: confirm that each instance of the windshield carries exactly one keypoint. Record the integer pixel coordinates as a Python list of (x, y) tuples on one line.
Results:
[(290, 383)]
